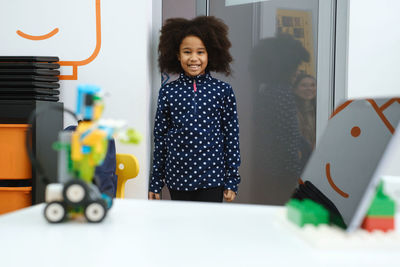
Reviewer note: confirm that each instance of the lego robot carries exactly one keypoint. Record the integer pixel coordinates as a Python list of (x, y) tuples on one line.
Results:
[(79, 152)]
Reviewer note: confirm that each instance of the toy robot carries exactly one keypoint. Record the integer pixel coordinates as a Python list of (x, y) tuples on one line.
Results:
[(79, 153)]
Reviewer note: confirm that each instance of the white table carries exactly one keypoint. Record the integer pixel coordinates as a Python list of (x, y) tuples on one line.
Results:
[(167, 233)]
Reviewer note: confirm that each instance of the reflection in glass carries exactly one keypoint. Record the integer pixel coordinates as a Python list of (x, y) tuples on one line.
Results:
[(273, 64), (274, 48), (305, 90)]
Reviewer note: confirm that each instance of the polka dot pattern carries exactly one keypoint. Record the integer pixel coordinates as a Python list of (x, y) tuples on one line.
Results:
[(277, 132), (196, 136)]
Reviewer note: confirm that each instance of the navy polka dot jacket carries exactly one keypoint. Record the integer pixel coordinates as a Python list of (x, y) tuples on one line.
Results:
[(196, 136)]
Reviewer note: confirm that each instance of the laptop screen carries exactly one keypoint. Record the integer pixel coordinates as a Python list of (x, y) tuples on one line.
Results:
[(343, 167)]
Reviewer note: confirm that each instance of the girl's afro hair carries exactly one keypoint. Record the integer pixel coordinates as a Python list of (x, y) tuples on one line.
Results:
[(212, 31)]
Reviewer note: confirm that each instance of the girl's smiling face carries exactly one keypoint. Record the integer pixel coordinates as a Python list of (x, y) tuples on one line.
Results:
[(193, 56)]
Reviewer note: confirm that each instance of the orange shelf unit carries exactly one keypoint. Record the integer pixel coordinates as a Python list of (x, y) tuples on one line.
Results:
[(14, 165), (14, 160), (14, 198)]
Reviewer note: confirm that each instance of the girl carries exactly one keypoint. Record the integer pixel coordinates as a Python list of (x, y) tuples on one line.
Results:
[(196, 132)]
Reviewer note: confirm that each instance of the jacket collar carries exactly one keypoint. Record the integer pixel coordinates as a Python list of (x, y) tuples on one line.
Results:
[(199, 78)]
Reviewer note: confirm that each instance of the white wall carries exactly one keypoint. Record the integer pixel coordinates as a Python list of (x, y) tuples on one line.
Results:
[(374, 48), (122, 67), (373, 58)]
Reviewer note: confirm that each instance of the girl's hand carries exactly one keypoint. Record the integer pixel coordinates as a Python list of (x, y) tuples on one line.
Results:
[(154, 196), (229, 195)]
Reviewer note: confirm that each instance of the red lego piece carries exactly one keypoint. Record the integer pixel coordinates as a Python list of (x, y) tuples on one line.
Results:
[(378, 223)]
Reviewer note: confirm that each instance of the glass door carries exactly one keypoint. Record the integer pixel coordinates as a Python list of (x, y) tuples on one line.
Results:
[(283, 88)]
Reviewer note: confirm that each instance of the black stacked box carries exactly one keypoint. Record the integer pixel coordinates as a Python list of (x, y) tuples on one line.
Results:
[(28, 84), (29, 78)]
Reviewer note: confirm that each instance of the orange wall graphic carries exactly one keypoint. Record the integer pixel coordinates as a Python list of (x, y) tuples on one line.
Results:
[(73, 64)]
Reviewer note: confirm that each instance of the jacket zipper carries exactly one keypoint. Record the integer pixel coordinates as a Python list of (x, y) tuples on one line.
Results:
[(194, 96)]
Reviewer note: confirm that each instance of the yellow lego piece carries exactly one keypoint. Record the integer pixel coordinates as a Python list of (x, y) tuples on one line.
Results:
[(76, 151)]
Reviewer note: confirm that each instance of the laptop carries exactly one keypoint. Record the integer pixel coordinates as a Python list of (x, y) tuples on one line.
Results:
[(28, 91), (28, 59), (29, 72), (349, 159), (33, 84), (40, 78), (28, 65), (52, 98)]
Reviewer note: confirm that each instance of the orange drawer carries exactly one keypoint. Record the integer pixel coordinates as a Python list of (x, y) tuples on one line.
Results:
[(14, 198), (14, 160)]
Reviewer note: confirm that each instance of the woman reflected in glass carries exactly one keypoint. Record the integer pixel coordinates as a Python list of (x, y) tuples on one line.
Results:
[(277, 141), (305, 90)]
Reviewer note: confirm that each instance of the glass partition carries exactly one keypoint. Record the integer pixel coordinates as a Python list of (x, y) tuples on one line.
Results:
[(274, 46)]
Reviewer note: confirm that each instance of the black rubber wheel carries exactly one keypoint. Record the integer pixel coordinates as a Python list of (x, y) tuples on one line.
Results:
[(95, 211), (55, 212), (75, 192)]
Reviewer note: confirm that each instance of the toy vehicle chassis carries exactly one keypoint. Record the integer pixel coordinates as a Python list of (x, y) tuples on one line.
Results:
[(75, 197)]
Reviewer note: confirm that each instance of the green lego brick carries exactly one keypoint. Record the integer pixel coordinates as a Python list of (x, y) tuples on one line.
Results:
[(130, 136), (381, 205), (306, 212), (59, 146), (70, 163)]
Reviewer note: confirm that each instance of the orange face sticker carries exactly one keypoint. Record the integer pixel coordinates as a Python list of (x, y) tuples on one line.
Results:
[(38, 37), (333, 185), (57, 31), (355, 131)]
